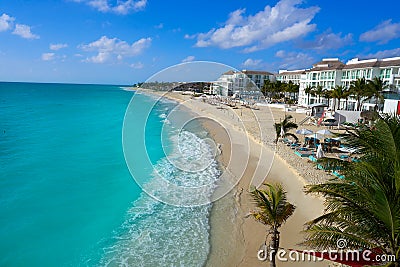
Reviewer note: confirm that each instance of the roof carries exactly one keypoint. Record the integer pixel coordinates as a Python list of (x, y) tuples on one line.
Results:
[(332, 64), (294, 72), (257, 72), (390, 62), (371, 63), (229, 72)]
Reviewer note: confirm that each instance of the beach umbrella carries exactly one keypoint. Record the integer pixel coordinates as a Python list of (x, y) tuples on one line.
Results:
[(304, 131), (324, 132), (315, 136), (320, 152)]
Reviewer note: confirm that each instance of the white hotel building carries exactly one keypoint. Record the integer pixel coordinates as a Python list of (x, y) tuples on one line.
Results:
[(331, 72), (239, 82)]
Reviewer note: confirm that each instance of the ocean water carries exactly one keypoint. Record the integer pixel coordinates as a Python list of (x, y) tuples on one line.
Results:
[(67, 197)]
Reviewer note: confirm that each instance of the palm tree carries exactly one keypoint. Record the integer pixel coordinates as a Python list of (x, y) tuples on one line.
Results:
[(346, 96), (286, 125), (279, 88), (358, 89), (308, 90), (292, 89), (267, 89), (338, 93), (273, 210), (375, 88), (327, 95), (319, 91), (364, 207)]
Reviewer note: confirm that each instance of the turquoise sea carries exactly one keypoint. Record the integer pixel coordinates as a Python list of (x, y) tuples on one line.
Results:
[(67, 197)]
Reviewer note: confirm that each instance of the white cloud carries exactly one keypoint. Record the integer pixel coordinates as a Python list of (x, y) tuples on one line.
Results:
[(122, 7), (111, 49), (193, 36), (56, 47), (48, 56), (24, 31), (382, 33), (101, 57), (328, 41), (252, 63), (6, 22), (294, 60), (159, 26), (383, 54), (137, 65), (188, 59), (283, 22)]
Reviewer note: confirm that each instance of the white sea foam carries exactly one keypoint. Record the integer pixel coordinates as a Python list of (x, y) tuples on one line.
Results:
[(131, 89), (158, 234)]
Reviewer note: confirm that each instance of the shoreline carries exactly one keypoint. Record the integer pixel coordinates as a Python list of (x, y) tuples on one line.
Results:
[(234, 239)]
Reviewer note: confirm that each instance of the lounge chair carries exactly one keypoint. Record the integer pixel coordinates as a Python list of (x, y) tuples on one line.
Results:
[(335, 173), (294, 145), (304, 154), (312, 158)]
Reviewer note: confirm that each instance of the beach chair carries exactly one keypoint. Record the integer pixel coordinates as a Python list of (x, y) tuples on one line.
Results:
[(294, 145), (303, 153), (337, 174), (312, 158)]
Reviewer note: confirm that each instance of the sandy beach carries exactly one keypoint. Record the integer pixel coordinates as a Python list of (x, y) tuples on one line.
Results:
[(248, 154)]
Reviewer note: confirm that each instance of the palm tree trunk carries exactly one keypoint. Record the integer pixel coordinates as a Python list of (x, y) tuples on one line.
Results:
[(274, 246)]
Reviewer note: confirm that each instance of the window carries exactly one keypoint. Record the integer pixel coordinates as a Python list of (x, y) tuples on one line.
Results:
[(353, 74), (388, 72), (381, 74)]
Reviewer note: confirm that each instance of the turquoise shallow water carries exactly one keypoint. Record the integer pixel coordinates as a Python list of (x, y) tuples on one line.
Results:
[(66, 195)]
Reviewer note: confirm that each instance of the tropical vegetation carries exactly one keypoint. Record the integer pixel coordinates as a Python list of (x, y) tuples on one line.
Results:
[(319, 91), (338, 93), (286, 125), (280, 90), (273, 210), (309, 90), (375, 89), (364, 207)]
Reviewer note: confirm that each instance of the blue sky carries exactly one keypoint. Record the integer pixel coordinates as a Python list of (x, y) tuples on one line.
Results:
[(127, 41)]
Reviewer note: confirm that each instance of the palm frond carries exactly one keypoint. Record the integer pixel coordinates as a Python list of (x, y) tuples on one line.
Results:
[(272, 206), (364, 207)]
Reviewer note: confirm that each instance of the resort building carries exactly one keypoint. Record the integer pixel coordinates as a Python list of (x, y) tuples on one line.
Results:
[(294, 76), (240, 82), (331, 72)]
